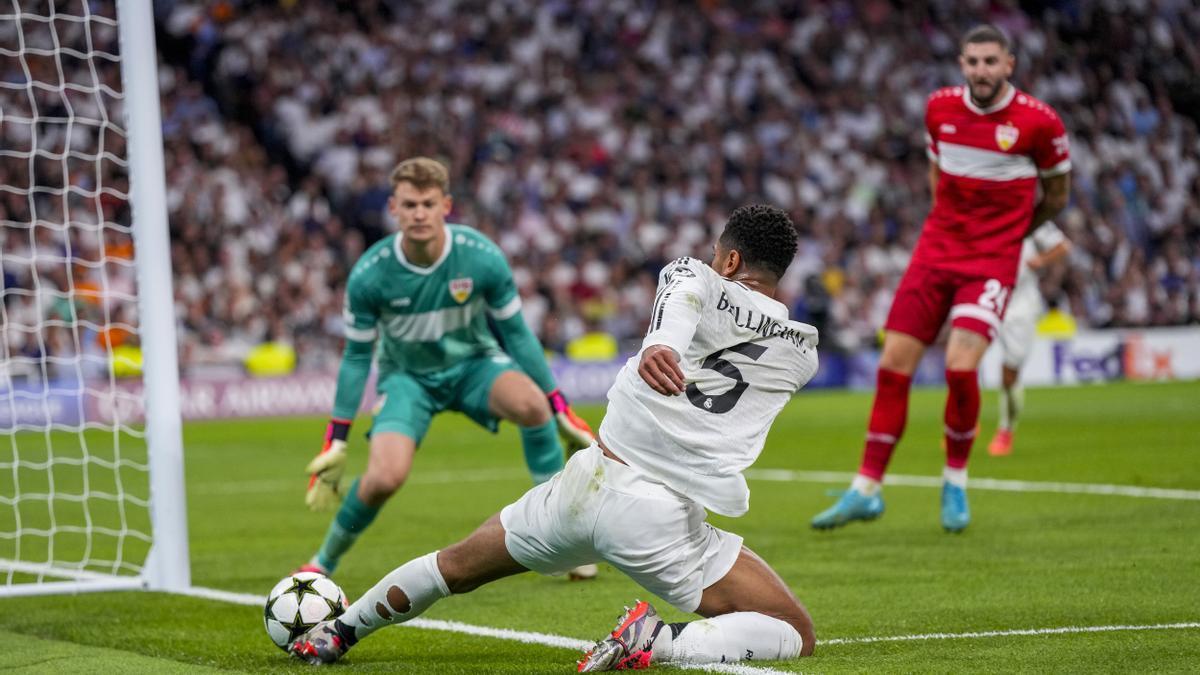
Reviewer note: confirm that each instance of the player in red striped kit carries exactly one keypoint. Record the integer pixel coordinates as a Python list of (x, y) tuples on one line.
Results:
[(990, 148)]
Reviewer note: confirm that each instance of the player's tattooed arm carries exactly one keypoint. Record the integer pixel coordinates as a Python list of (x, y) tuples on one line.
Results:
[(1056, 192)]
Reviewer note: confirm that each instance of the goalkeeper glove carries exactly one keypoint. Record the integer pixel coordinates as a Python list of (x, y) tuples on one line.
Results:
[(574, 431), (324, 486)]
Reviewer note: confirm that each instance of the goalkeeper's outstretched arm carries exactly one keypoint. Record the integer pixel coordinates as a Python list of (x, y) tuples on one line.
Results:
[(324, 485), (361, 319), (352, 378)]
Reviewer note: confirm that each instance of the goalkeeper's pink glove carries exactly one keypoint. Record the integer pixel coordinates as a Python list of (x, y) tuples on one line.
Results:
[(325, 483), (574, 431)]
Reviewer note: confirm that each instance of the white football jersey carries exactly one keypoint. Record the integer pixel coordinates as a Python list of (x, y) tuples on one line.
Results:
[(742, 359), (1026, 297)]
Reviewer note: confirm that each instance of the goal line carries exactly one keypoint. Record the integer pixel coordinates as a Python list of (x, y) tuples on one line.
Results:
[(72, 580)]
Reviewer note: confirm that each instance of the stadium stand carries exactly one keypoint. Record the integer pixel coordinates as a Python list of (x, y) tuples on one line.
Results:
[(594, 144)]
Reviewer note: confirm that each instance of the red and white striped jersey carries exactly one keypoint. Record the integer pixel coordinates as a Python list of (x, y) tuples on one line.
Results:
[(990, 160)]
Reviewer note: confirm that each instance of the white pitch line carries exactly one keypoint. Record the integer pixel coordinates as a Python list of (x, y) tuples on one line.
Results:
[(431, 624), (1006, 633), (731, 668), (527, 637), (787, 475), (774, 475), (224, 596), (502, 633)]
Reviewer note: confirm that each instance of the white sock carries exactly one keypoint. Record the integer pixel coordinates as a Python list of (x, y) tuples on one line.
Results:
[(867, 487), (956, 477), (414, 586), (1012, 399), (740, 636)]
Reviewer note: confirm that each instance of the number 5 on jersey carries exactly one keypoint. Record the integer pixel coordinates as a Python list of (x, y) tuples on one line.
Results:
[(723, 403)]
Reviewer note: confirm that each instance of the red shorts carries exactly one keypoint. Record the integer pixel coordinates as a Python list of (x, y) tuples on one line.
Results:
[(927, 295)]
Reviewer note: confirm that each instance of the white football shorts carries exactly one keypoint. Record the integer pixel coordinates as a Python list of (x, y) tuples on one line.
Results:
[(599, 509), (1020, 324)]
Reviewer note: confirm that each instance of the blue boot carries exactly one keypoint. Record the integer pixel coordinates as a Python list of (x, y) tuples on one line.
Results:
[(853, 505), (956, 515)]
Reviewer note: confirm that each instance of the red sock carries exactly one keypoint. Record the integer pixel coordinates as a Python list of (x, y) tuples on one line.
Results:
[(888, 415), (962, 415)]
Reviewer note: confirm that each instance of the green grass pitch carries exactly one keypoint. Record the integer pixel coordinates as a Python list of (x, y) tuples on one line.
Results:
[(1030, 560)]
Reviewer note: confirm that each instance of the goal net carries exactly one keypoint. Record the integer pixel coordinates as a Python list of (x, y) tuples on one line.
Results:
[(91, 491)]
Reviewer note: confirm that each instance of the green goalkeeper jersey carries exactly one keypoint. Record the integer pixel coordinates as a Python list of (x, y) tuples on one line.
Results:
[(424, 320), (427, 319)]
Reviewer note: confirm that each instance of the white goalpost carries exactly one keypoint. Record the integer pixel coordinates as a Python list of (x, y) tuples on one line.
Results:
[(91, 457)]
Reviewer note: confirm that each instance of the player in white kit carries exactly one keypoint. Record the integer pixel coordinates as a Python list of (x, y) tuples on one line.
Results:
[(686, 416), (1044, 247)]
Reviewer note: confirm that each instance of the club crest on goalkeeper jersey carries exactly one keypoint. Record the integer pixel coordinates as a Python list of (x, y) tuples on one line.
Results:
[(427, 319), (742, 360)]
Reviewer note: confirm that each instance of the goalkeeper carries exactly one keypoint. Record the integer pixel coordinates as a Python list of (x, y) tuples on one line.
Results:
[(425, 295)]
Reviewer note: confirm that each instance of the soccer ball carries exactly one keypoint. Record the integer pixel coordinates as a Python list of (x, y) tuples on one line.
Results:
[(298, 602)]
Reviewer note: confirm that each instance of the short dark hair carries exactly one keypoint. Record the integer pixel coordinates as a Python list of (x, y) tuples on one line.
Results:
[(985, 32), (764, 235)]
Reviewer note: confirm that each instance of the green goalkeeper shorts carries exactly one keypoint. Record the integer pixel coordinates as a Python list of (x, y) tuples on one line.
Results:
[(409, 401)]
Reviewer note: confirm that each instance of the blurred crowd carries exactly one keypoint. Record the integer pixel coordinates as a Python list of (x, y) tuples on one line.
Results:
[(596, 140), (66, 254)]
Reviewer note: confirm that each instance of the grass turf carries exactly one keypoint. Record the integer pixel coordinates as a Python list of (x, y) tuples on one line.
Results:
[(1029, 559)]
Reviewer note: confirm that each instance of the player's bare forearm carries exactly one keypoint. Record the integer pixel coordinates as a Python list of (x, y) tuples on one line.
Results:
[(1052, 256), (934, 174), (1056, 192), (659, 368)]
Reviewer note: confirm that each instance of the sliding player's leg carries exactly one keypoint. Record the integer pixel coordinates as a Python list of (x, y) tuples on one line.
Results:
[(753, 611), (548, 530), (663, 542), (410, 589), (401, 420), (750, 613)]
